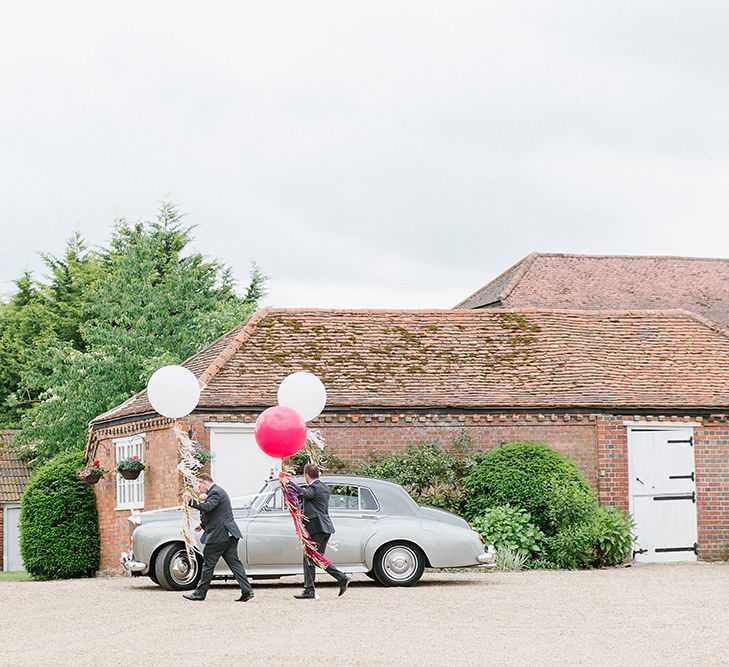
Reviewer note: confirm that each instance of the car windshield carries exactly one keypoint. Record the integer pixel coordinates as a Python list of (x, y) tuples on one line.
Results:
[(262, 496)]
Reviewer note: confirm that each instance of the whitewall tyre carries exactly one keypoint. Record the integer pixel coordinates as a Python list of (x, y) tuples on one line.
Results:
[(399, 564)]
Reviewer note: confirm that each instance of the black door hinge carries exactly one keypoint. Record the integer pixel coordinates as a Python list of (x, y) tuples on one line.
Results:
[(687, 496), (690, 441), (694, 548), (692, 477)]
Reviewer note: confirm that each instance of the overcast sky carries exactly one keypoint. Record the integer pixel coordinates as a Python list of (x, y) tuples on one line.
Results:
[(383, 154)]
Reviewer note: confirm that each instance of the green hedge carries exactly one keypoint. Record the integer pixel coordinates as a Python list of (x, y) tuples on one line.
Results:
[(59, 529), (526, 475)]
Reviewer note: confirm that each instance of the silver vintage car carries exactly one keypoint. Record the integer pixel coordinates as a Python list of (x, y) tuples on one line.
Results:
[(380, 531)]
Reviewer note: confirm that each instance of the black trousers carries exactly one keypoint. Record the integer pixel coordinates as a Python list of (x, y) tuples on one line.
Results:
[(320, 539), (229, 552)]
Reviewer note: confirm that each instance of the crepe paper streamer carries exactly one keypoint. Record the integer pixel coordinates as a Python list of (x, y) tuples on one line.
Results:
[(188, 468), (291, 498)]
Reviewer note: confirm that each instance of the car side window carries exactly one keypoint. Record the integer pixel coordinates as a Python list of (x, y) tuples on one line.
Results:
[(344, 497), (367, 500)]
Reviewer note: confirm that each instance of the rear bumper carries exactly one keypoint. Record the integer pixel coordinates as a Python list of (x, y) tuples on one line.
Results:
[(488, 557), (484, 561), (131, 565)]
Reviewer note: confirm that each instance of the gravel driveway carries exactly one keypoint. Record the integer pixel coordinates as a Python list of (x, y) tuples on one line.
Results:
[(648, 614)]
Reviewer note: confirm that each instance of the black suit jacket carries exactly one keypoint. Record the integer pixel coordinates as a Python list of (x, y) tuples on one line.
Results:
[(216, 517), (316, 506)]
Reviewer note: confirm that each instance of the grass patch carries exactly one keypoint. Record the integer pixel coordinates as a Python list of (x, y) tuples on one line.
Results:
[(15, 576)]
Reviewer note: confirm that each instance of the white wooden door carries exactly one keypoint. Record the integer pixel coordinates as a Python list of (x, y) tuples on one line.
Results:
[(238, 464), (663, 493), (13, 559)]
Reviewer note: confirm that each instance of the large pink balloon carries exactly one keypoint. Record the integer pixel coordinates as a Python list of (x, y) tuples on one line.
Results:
[(280, 431)]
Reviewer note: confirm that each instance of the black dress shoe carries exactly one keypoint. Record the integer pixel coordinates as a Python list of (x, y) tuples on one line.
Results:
[(343, 585), (244, 597), (305, 596), (194, 596)]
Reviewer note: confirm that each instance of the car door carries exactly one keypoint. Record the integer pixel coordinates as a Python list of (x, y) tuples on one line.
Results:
[(354, 513), (270, 537)]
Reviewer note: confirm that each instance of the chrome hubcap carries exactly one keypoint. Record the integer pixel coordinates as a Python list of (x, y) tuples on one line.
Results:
[(400, 563), (181, 570)]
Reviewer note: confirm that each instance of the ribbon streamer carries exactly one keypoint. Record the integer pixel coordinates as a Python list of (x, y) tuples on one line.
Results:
[(291, 501), (314, 446)]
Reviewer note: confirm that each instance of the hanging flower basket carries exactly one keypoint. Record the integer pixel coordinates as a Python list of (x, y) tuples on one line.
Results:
[(130, 468), (92, 473)]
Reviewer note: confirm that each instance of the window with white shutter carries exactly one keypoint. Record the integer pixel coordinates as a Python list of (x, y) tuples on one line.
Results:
[(129, 492)]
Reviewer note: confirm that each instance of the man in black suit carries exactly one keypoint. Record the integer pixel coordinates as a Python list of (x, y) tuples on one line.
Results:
[(320, 527), (220, 537)]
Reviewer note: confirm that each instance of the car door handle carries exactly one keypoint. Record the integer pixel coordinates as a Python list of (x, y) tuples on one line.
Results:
[(638, 479)]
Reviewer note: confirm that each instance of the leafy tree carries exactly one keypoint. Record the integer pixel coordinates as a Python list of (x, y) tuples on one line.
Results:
[(41, 311), (154, 302)]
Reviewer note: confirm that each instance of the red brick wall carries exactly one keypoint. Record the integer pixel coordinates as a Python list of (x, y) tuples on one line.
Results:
[(597, 443), (350, 436), (711, 452), (612, 461), (161, 488), (574, 436)]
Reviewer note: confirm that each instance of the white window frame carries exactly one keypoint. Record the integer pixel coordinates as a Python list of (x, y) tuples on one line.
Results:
[(129, 492)]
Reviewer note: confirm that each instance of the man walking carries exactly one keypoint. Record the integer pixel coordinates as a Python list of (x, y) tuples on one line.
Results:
[(320, 527), (220, 537)]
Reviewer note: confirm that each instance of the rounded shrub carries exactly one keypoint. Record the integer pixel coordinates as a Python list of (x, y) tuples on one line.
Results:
[(524, 475), (59, 530)]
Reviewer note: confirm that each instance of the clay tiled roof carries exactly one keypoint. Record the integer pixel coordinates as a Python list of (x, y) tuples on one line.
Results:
[(14, 473), (598, 282), (527, 358)]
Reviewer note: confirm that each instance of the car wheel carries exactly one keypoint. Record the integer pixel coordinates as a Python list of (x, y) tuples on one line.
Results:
[(173, 569), (152, 574), (371, 574), (399, 564)]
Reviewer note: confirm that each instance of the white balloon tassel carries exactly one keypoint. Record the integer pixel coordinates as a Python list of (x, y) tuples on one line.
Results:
[(187, 467), (314, 446)]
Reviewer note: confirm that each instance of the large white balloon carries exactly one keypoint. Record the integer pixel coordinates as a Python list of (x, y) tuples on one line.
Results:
[(304, 392), (173, 391)]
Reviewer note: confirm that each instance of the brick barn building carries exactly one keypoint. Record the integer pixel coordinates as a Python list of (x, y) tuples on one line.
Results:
[(639, 398), (14, 475)]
